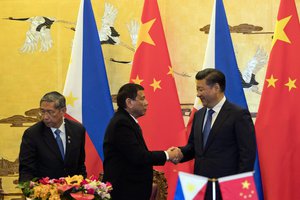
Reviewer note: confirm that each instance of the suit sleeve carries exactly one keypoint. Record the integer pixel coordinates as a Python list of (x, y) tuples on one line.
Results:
[(245, 134), (27, 158), (132, 149)]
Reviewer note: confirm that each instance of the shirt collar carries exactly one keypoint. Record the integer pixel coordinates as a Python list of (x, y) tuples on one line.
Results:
[(134, 118), (61, 128), (218, 107)]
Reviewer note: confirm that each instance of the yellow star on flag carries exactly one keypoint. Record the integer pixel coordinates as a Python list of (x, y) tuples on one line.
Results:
[(171, 71), (271, 81), (291, 84), (155, 84), (71, 99), (279, 33), (144, 35), (191, 187), (245, 184), (137, 80)]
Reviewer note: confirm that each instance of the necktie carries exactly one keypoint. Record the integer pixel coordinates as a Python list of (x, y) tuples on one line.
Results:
[(59, 142), (207, 126)]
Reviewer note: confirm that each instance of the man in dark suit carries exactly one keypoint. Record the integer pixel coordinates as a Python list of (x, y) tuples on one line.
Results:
[(127, 160), (223, 143), (53, 147)]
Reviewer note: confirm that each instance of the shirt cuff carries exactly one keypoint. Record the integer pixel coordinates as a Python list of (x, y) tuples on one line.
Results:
[(167, 155)]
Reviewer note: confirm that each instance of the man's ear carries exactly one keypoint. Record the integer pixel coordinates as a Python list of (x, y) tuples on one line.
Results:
[(217, 87), (64, 109), (128, 102)]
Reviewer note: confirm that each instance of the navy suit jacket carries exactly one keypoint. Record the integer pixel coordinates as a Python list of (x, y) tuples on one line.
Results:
[(230, 147), (127, 160), (40, 156)]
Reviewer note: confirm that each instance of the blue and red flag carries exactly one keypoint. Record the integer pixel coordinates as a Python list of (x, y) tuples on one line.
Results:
[(220, 55), (86, 87), (190, 187)]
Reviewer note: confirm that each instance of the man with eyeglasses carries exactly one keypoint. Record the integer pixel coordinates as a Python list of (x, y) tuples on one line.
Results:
[(53, 147)]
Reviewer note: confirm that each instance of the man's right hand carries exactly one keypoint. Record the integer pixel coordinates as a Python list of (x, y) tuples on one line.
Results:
[(175, 154)]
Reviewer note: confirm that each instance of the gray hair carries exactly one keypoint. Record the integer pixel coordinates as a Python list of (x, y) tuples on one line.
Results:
[(56, 97)]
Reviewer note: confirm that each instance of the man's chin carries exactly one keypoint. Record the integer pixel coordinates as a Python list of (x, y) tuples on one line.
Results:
[(142, 114), (204, 104), (48, 124)]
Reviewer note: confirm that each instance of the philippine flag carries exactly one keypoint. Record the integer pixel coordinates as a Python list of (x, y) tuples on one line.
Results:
[(220, 55), (86, 87), (190, 187)]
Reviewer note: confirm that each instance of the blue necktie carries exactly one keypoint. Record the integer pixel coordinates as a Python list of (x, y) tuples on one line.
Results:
[(59, 142), (207, 126)]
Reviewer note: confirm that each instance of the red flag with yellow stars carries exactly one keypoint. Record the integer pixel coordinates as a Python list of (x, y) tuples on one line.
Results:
[(163, 124), (240, 186), (278, 120)]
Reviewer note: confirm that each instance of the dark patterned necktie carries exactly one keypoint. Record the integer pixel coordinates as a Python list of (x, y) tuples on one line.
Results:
[(207, 126)]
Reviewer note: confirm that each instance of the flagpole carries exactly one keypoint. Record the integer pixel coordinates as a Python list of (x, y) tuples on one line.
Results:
[(213, 180), (214, 190)]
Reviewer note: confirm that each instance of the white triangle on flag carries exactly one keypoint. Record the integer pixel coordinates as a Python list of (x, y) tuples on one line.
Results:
[(197, 103), (209, 57), (73, 84), (191, 184)]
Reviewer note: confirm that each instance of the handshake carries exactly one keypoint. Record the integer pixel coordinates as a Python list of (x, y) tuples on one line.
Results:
[(175, 154)]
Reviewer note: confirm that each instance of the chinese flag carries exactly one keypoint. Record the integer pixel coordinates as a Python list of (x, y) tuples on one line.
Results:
[(240, 186), (278, 121), (163, 124)]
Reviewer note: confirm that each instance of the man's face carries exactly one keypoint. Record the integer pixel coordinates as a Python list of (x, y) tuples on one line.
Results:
[(139, 104), (51, 116), (207, 94)]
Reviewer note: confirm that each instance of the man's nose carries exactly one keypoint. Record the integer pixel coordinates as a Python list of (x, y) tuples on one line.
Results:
[(45, 117), (198, 93)]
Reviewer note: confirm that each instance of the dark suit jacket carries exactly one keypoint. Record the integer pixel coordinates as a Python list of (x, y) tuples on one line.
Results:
[(40, 156), (127, 160), (230, 147)]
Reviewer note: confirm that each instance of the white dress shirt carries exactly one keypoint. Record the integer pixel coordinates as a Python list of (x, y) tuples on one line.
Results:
[(62, 134), (216, 110)]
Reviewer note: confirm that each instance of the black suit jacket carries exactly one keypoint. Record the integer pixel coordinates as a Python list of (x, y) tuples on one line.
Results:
[(40, 156), (230, 147), (127, 160)]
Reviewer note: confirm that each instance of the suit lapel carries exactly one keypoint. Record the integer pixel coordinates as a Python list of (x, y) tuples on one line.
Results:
[(68, 140), (140, 134), (51, 142), (201, 120), (221, 118), (136, 126)]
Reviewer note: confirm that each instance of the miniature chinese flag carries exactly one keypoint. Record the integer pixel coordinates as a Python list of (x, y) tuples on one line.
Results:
[(240, 186)]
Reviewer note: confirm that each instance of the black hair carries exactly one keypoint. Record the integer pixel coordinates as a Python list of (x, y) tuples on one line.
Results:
[(212, 76), (128, 90)]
